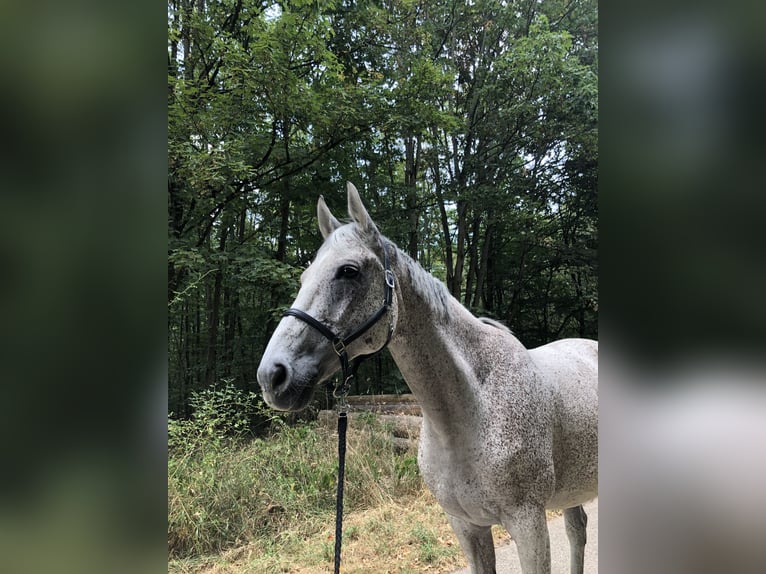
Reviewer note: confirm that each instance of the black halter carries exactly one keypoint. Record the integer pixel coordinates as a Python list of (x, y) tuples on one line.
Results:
[(340, 344)]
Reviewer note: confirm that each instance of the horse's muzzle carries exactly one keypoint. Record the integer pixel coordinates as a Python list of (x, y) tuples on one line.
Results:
[(273, 377), (282, 389)]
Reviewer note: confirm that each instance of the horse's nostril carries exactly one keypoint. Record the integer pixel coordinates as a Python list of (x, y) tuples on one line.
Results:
[(279, 376), (273, 375)]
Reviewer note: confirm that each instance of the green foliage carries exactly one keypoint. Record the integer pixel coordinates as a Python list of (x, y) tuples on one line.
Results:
[(221, 415)]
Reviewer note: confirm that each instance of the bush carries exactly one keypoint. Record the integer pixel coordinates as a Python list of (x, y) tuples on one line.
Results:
[(219, 414)]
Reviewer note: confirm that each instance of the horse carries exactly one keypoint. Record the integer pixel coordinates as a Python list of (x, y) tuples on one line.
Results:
[(507, 432)]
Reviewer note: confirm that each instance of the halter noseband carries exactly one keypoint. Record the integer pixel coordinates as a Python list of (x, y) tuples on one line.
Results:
[(340, 344)]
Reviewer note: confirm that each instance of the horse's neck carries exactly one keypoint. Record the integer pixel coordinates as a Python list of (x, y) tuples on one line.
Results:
[(437, 346)]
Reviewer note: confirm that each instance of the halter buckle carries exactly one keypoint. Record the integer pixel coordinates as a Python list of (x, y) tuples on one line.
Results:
[(339, 347)]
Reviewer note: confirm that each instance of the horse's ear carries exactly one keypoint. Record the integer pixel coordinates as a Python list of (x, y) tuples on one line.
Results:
[(327, 222), (357, 211)]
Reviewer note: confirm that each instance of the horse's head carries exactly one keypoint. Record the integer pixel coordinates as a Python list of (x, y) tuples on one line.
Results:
[(343, 289)]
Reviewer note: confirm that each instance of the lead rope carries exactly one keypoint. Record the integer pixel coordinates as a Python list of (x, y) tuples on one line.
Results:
[(340, 395), (342, 425), (348, 373)]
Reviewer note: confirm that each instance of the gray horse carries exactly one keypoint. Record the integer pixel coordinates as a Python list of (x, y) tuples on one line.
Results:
[(507, 432)]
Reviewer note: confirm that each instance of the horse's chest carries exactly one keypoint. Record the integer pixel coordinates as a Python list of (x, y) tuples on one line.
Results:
[(481, 480), (463, 479)]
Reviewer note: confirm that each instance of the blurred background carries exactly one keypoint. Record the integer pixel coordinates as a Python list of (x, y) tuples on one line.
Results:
[(683, 401), (82, 283)]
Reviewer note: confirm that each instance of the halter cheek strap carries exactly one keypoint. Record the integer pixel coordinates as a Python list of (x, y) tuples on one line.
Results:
[(340, 344)]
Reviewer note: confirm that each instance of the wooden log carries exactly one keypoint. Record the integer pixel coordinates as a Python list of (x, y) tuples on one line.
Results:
[(387, 409), (380, 399), (391, 404), (402, 426)]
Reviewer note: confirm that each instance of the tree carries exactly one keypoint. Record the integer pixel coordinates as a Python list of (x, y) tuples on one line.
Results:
[(470, 129)]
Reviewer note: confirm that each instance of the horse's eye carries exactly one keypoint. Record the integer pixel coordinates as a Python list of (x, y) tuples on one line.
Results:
[(347, 272)]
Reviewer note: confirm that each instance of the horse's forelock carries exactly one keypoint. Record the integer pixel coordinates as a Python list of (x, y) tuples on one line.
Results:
[(351, 234)]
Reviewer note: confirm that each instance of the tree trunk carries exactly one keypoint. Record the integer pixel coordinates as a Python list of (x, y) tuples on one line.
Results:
[(197, 347), (214, 311), (185, 375), (445, 226), (473, 262), (519, 284), (480, 300), (175, 217), (411, 160), (284, 221), (230, 313), (187, 12), (457, 276), (580, 313), (545, 328)]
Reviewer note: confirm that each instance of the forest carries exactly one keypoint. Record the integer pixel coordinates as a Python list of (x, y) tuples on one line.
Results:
[(470, 129)]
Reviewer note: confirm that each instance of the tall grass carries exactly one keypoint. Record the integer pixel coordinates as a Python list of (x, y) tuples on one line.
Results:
[(225, 490)]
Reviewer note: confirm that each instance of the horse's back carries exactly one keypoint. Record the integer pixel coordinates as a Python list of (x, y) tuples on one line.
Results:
[(571, 367), (582, 351), (572, 363)]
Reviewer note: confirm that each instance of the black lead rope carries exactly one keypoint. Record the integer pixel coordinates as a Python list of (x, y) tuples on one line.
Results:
[(342, 425), (348, 370)]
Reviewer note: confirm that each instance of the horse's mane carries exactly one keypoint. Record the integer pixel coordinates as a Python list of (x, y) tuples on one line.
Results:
[(496, 324), (434, 293)]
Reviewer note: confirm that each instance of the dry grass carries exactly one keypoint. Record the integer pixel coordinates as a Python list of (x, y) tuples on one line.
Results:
[(405, 536)]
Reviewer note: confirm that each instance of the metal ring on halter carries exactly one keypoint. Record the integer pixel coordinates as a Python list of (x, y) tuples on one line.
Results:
[(390, 279), (341, 391)]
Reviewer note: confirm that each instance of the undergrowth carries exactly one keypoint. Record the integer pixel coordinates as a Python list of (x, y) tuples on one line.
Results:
[(226, 490)]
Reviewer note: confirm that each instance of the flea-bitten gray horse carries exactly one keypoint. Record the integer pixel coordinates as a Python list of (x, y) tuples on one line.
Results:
[(507, 432)]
